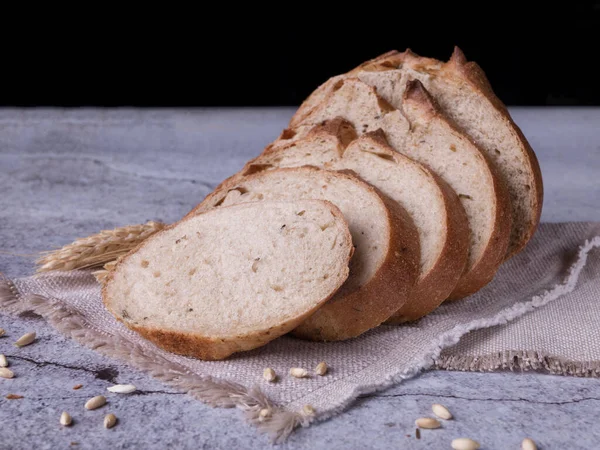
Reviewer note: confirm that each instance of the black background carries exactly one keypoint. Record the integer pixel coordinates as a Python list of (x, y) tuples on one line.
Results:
[(533, 53)]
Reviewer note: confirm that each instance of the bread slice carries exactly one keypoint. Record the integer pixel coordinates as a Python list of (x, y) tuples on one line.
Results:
[(464, 93), (434, 207), (232, 279), (385, 264), (422, 132)]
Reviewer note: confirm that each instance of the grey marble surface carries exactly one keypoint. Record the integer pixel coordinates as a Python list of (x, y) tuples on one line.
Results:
[(65, 174)]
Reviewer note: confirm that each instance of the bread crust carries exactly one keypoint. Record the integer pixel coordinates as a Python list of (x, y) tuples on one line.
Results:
[(486, 267), (210, 348), (436, 285), (385, 293), (471, 73)]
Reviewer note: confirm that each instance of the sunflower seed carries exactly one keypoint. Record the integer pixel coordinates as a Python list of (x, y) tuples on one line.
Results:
[(269, 374), (95, 402), (321, 368), (528, 444), (3, 361), (428, 423), (65, 419), (465, 444), (6, 373), (2, 332), (298, 372), (110, 420), (26, 339), (122, 388), (263, 414), (441, 411)]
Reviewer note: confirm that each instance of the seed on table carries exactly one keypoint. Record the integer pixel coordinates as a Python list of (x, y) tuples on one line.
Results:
[(298, 372), (122, 388), (263, 414), (110, 420), (321, 368), (465, 444), (528, 444), (428, 423), (3, 361), (13, 397), (441, 411), (308, 410), (95, 402), (65, 419), (2, 332), (6, 373), (269, 374), (77, 386), (26, 339)]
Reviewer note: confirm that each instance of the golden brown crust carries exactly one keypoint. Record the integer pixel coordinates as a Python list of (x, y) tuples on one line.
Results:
[(211, 348), (484, 270), (375, 302), (433, 289), (456, 68), (384, 294), (471, 72)]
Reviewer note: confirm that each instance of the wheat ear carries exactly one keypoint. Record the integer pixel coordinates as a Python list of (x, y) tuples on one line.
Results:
[(93, 252)]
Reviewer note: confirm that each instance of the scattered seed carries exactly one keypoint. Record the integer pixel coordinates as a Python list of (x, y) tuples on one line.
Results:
[(74, 443), (3, 361), (263, 414), (528, 444), (428, 423), (298, 372), (441, 411), (269, 374), (13, 397), (95, 402), (308, 410), (77, 386), (321, 368), (26, 339), (465, 444), (2, 332), (122, 388), (110, 420), (418, 433), (6, 373), (65, 419)]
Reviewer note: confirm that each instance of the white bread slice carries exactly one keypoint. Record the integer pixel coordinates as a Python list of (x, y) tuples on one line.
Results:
[(466, 96), (232, 279), (385, 264), (433, 206), (421, 131)]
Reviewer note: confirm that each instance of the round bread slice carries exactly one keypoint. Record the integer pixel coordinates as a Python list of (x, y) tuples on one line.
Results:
[(466, 96), (385, 264), (422, 132), (232, 279), (434, 207)]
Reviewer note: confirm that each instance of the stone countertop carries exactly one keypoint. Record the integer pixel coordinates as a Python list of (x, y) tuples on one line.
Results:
[(70, 173)]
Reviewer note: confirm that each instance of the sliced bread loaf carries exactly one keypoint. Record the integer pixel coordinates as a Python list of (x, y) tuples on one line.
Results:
[(464, 93), (434, 207), (385, 264), (232, 279), (421, 131)]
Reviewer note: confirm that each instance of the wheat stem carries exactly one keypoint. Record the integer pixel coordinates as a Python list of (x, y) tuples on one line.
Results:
[(93, 252)]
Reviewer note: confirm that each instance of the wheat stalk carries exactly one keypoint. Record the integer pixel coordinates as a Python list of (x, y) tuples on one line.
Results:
[(94, 252)]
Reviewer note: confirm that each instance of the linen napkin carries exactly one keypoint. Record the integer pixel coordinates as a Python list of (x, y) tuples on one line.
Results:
[(542, 311)]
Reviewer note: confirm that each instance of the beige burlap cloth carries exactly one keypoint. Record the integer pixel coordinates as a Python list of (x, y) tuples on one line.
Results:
[(541, 312)]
